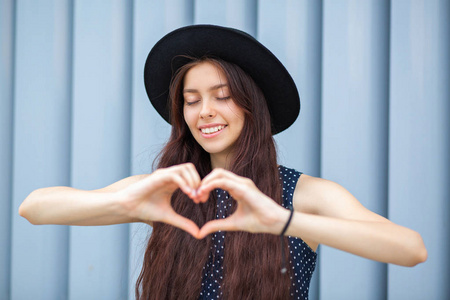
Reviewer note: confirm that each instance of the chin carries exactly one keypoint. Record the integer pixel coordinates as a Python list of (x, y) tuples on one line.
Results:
[(215, 150)]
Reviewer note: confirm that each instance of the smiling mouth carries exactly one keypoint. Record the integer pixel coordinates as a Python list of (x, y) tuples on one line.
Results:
[(211, 130)]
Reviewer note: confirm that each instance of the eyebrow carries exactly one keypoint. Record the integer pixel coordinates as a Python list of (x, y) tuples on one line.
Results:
[(214, 87)]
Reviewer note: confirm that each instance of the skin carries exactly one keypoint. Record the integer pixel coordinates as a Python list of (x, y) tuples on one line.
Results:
[(325, 212), (207, 104)]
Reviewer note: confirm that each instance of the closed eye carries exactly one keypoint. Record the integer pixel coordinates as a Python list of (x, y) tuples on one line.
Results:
[(188, 103), (224, 98)]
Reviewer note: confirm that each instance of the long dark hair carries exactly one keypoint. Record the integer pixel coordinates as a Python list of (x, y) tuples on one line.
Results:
[(174, 260)]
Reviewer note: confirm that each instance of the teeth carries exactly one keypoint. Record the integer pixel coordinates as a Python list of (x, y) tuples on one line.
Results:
[(212, 129)]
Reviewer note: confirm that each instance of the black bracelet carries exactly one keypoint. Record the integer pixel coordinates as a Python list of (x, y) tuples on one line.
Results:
[(283, 259)]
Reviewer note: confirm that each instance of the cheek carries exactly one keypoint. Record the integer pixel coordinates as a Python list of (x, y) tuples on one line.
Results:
[(186, 116), (238, 115), (242, 121), (189, 120)]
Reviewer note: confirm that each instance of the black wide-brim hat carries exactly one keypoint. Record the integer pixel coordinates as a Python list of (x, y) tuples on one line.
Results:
[(233, 46)]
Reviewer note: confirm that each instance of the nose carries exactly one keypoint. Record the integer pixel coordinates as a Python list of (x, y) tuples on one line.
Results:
[(207, 110)]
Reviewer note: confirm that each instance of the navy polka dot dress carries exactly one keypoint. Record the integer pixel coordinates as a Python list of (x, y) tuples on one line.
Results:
[(302, 257)]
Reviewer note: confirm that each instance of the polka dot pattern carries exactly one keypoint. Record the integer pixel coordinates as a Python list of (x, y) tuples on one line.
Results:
[(302, 257), (213, 270)]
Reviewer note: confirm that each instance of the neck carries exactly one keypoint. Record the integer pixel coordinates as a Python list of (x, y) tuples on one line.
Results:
[(220, 161)]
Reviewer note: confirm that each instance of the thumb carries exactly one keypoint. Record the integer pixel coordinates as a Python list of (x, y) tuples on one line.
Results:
[(183, 223), (226, 224)]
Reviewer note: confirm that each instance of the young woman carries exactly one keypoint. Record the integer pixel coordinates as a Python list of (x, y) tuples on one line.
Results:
[(218, 200)]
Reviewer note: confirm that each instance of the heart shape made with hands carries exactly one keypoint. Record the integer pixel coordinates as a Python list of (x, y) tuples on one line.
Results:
[(251, 215), (202, 195), (149, 199)]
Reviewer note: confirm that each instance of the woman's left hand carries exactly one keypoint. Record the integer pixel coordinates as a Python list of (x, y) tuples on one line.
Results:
[(255, 212)]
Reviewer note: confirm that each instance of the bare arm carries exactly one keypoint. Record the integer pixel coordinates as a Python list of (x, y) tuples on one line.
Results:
[(141, 198), (325, 213), (337, 219), (381, 241), (70, 206)]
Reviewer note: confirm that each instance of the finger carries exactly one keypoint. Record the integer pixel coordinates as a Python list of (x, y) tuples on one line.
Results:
[(226, 224), (219, 178), (168, 176), (190, 175), (180, 181), (194, 180), (235, 188), (185, 171), (194, 175), (202, 192), (183, 223), (190, 190)]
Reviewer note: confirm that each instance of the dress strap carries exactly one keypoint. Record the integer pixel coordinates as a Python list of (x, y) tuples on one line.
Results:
[(289, 178)]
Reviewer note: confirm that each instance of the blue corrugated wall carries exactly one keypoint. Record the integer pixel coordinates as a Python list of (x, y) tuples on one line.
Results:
[(374, 79)]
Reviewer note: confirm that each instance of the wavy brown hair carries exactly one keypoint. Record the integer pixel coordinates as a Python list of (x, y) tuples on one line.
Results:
[(174, 260)]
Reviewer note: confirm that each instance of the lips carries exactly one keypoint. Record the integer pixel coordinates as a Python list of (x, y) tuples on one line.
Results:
[(211, 130)]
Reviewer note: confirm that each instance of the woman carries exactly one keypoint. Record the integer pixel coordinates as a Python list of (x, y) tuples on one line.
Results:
[(218, 200)]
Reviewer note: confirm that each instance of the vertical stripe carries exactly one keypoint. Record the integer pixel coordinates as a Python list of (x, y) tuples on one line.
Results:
[(7, 19), (419, 142), (210, 12), (41, 144), (354, 122), (100, 141), (241, 14), (178, 13)]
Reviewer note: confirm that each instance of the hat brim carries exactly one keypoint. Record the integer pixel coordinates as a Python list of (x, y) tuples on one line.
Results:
[(233, 46)]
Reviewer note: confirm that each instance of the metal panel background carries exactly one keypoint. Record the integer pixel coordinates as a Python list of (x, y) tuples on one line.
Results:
[(374, 82), (419, 142), (41, 142), (100, 141), (7, 35), (354, 130)]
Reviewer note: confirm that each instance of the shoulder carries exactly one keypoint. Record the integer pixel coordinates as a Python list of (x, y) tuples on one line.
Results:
[(310, 191), (324, 197), (318, 187), (306, 183)]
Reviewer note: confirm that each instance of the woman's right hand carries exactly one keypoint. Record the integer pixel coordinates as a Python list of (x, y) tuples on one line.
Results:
[(148, 200)]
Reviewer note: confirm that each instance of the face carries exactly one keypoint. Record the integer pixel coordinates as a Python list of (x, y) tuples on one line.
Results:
[(212, 116)]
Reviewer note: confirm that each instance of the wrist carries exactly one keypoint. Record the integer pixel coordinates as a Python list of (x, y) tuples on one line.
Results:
[(124, 206), (278, 220), (288, 222)]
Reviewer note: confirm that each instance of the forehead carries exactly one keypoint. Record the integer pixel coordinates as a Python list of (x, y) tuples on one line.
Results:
[(204, 74)]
